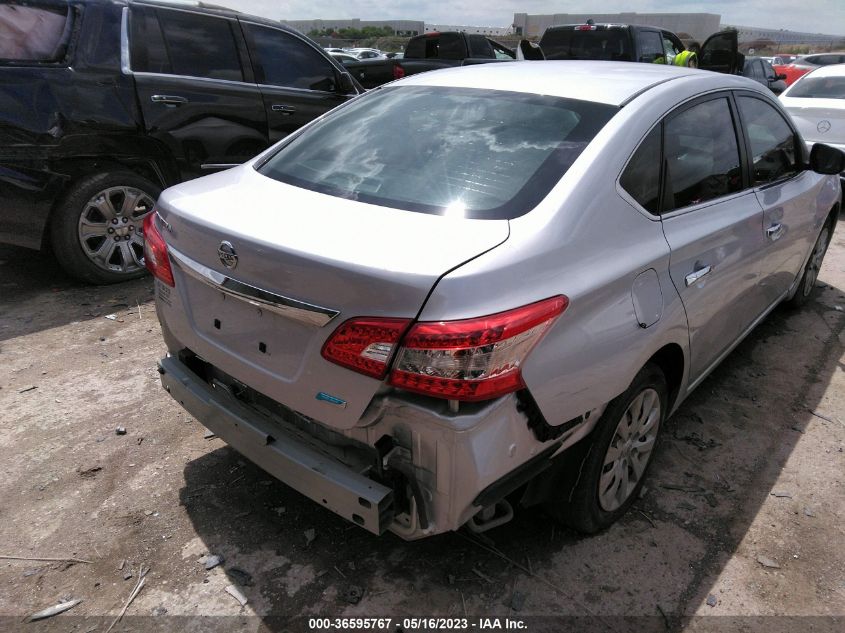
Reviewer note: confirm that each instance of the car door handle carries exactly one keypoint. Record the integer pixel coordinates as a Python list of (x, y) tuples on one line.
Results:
[(775, 231), (696, 275), (287, 110), (169, 100)]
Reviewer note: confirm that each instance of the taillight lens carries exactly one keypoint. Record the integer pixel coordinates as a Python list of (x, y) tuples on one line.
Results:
[(365, 344), (473, 359), (398, 71), (155, 251)]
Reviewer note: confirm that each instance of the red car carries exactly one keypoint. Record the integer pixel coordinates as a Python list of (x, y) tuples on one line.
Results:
[(803, 65)]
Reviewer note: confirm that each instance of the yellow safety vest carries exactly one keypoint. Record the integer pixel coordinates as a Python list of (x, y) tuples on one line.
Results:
[(684, 57)]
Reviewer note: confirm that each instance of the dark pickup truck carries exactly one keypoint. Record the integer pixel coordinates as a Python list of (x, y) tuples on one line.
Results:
[(431, 51)]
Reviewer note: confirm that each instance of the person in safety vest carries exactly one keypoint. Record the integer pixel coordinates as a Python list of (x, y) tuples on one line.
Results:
[(687, 59)]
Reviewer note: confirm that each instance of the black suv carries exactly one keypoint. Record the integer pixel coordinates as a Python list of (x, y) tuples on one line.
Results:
[(105, 103)]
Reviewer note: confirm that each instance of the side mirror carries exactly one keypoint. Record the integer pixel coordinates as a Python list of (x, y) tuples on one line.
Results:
[(780, 77), (347, 86), (825, 159)]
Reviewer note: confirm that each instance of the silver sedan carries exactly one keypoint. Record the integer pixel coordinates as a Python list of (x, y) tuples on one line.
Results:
[(529, 268)]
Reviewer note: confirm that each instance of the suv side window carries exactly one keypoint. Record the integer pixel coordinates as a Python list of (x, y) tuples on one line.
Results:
[(280, 59), (701, 155), (34, 33), (651, 46), (641, 178), (773, 143), (184, 43)]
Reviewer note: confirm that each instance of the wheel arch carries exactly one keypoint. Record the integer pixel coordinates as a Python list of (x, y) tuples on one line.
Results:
[(671, 361), (75, 170)]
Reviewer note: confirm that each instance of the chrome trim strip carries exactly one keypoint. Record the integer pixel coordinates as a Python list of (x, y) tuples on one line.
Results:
[(219, 165), (124, 42), (264, 299)]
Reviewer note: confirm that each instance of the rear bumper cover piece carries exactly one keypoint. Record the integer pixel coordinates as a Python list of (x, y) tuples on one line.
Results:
[(330, 484)]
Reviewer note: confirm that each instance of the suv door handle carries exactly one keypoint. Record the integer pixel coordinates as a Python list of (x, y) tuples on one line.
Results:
[(696, 275), (287, 110), (775, 231), (169, 100)]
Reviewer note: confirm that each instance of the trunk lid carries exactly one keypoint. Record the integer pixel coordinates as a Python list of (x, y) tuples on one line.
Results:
[(818, 120), (332, 259)]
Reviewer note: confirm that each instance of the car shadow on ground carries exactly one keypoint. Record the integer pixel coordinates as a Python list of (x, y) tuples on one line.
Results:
[(36, 294), (718, 461)]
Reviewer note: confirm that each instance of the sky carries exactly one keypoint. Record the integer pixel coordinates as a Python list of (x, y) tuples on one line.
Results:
[(814, 16)]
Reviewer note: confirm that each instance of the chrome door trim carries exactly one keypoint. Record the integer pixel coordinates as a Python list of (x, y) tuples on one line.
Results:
[(264, 299)]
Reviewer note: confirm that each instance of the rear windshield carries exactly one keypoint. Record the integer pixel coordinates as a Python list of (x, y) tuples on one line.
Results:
[(819, 88), (476, 153), (33, 34), (600, 44)]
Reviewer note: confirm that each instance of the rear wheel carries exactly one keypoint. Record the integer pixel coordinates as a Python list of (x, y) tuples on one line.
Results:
[(97, 230), (811, 269), (607, 468)]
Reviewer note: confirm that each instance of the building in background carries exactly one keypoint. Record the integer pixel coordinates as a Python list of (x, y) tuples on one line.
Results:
[(475, 30), (407, 28), (753, 37)]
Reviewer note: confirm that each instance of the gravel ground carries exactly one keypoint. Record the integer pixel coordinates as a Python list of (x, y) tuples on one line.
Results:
[(742, 516)]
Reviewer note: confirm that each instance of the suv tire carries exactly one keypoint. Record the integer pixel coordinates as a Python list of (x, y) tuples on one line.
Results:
[(97, 230)]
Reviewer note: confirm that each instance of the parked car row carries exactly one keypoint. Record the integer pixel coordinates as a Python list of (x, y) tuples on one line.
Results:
[(192, 90)]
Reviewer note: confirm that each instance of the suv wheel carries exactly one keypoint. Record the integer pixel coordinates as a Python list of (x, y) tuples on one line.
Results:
[(97, 230), (607, 468)]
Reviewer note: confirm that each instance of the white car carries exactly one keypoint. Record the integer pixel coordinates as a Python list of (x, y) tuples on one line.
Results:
[(816, 103)]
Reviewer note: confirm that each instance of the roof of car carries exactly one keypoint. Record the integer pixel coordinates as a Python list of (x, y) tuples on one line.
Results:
[(834, 70), (613, 83)]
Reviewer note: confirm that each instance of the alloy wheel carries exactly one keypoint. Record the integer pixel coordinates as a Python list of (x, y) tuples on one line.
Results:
[(110, 228)]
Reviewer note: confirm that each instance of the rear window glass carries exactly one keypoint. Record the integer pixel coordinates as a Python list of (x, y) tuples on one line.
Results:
[(477, 153), (601, 44), (819, 88), (33, 34)]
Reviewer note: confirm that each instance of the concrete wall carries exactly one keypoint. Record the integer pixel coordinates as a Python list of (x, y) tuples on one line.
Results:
[(480, 30)]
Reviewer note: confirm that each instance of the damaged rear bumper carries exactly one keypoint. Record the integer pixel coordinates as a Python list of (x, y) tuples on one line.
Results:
[(406, 466), (327, 482)]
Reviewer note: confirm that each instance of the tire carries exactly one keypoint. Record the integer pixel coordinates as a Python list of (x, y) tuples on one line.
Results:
[(807, 285), (95, 235), (589, 504)]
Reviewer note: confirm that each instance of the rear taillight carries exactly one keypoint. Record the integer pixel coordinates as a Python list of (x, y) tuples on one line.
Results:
[(155, 251), (473, 359), (365, 345), (398, 71)]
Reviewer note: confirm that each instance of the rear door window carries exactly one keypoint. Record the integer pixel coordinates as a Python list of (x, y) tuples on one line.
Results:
[(641, 178), (281, 59), (34, 33), (487, 154), (773, 143), (701, 154), (451, 46), (184, 43)]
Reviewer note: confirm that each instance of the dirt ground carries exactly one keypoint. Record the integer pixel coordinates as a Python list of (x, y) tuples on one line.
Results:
[(743, 515)]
